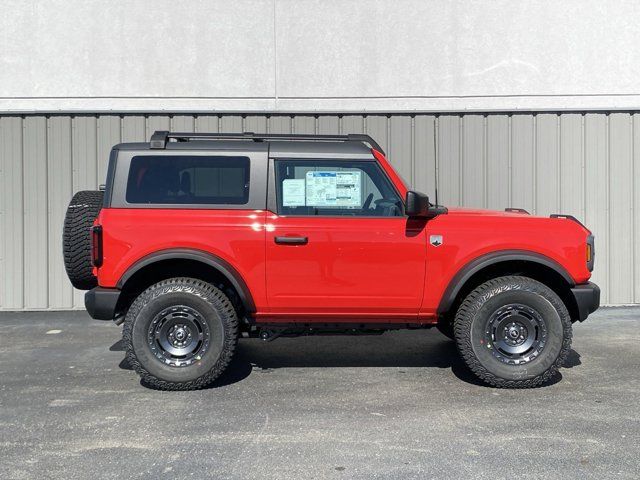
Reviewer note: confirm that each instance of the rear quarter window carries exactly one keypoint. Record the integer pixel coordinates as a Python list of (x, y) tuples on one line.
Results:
[(183, 179)]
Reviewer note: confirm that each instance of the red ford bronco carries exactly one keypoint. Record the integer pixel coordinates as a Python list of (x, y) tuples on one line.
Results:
[(198, 239)]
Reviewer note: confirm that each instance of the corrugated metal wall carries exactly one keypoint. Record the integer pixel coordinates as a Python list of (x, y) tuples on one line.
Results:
[(584, 164)]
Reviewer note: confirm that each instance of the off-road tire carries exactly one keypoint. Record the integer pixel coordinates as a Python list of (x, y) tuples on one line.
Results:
[(470, 328), (215, 309), (76, 238)]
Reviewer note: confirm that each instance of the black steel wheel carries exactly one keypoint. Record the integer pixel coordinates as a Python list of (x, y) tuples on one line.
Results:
[(180, 334), (516, 333), (513, 332)]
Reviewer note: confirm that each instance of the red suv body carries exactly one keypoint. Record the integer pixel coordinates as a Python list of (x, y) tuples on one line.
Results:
[(305, 233)]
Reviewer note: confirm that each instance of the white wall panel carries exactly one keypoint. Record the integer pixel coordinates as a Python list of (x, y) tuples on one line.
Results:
[(523, 165), (59, 191), (36, 233), (498, 161), (596, 131), (621, 208), (424, 154), (318, 55), (449, 159), (584, 164), (474, 161), (84, 160), (11, 214)]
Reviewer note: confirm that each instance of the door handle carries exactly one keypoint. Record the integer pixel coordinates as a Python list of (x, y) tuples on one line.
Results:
[(291, 240)]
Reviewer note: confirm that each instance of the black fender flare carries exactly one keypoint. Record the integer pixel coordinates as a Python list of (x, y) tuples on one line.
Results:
[(224, 267), (483, 261)]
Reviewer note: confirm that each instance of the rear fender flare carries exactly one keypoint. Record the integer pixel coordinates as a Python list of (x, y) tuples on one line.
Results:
[(224, 267)]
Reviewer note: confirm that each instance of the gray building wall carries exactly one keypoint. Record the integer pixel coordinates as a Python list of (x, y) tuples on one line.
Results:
[(319, 55), (584, 164)]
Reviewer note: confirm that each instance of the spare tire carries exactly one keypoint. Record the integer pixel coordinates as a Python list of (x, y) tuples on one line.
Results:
[(76, 238)]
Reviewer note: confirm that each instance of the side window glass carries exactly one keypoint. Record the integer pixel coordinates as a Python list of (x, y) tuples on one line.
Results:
[(181, 179), (335, 187)]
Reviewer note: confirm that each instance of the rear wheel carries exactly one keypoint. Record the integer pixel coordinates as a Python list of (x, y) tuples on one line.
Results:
[(513, 332), (180, 334)]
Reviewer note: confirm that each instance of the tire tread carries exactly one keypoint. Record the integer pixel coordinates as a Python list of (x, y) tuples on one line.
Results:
[(206, 292), (76, 238), (474, 301)]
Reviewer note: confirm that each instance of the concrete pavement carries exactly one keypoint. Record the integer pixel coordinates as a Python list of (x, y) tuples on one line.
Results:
[(400, 405)]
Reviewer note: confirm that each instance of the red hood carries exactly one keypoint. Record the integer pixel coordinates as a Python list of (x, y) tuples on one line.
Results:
[(484, 212), (478, 213)]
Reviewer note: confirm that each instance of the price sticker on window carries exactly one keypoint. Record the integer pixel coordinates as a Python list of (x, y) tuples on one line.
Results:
[(293, 192), (334, 189)]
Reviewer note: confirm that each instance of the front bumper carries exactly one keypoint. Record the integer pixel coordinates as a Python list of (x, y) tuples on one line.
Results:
[(587, 297), (101, 302)]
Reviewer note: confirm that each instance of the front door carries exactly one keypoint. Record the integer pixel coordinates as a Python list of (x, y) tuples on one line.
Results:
[(339, 245)]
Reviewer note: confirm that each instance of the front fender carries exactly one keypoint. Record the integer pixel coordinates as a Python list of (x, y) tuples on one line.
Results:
[(476, 265)]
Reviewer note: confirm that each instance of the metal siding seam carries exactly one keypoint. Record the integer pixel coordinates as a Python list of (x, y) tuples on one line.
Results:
[(24, 214), (608, 203), (534, 176), (387, 120), (22, 140), (3, 221), (559, 164), (583, 166), (3, 217), (97, 151), (636, 200), (461, 160), (436, 146), (633, 216), (46, 207), (413, 151), (459, 157), (485, 161), (510, 160)]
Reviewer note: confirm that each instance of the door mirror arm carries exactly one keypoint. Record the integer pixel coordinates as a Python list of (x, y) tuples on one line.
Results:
[(417, 205)]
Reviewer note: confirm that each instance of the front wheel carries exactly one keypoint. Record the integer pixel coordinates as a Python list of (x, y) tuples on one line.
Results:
[(513, 332), (180, 334)]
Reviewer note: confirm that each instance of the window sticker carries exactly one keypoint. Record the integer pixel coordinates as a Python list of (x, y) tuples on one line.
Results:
[(348, 189), (321, 189), (334, 189), (293, 192)]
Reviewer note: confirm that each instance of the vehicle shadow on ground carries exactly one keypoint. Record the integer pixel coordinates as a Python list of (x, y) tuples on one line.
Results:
[(408, 349)]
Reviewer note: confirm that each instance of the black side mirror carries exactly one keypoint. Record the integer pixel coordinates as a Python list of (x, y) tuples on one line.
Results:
[(417, 204)]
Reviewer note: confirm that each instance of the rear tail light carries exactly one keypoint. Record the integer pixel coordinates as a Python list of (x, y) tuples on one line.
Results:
[(591, 252), (96, 245)]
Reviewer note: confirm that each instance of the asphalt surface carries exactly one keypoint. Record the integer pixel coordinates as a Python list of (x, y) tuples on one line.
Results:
[(399, 405)]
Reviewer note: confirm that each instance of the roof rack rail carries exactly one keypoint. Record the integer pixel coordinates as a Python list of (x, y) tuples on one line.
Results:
[(160, 138), (516, 210)]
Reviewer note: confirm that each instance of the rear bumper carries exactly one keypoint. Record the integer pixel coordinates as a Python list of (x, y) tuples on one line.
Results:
[(587, 297), (101, 302)]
